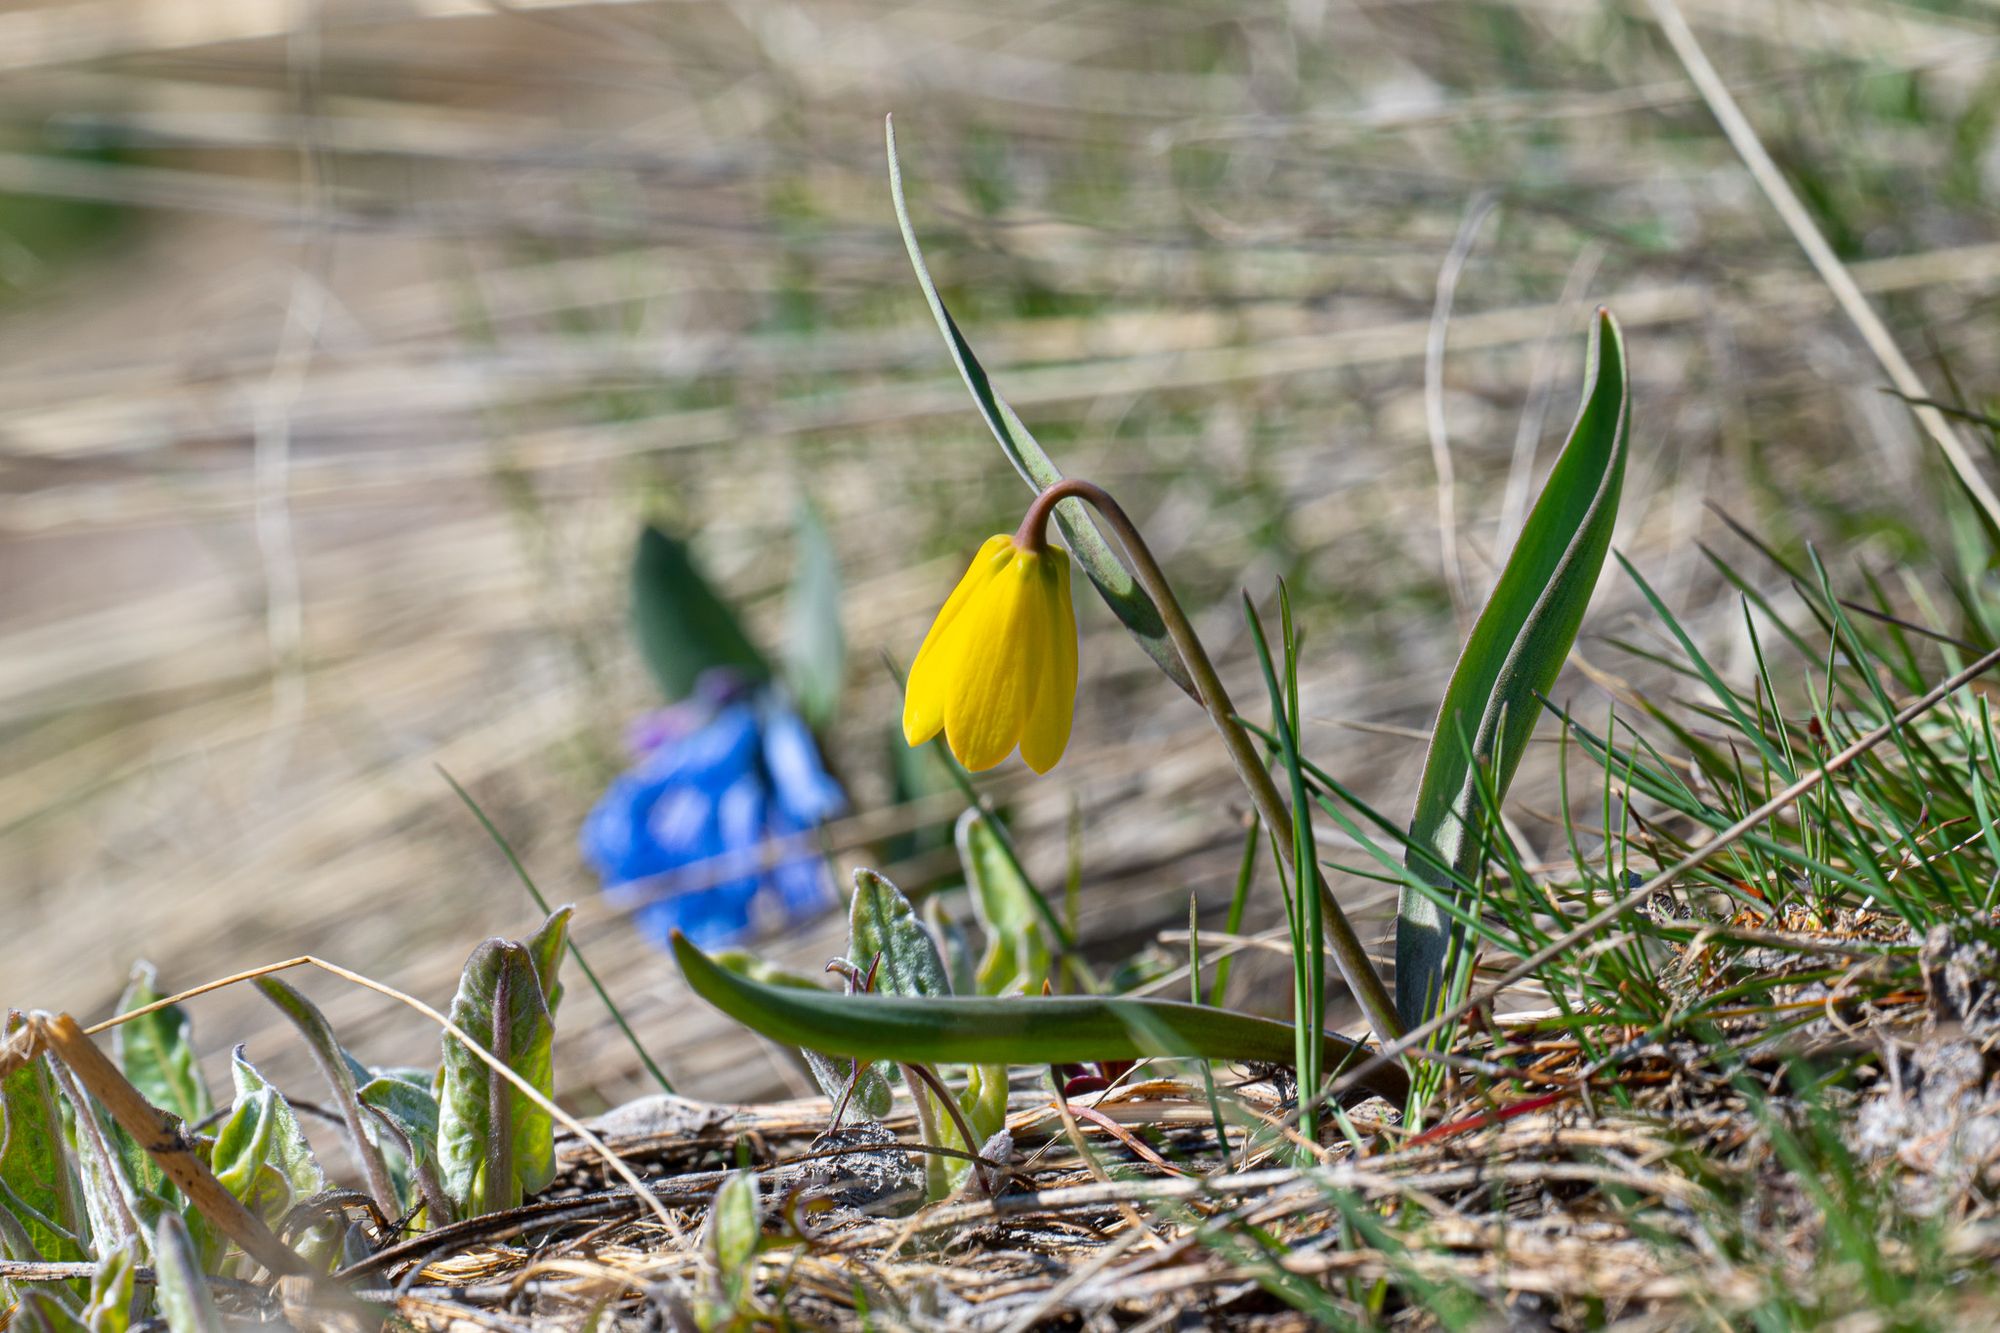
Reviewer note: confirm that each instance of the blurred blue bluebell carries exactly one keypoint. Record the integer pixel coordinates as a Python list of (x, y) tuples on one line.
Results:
[(681, 836)]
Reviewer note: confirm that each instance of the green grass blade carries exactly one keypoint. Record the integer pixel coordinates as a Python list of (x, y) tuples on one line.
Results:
[(1114, 582), (1024, 1030), (1513, 654)]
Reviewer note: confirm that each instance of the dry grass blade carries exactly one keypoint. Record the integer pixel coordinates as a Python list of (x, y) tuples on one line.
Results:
[(1743, 136)]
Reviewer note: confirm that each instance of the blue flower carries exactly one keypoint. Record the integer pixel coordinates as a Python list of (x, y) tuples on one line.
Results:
[(712, 826)]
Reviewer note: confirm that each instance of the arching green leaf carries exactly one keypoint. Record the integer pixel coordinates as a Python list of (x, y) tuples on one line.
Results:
[(1511, 658)]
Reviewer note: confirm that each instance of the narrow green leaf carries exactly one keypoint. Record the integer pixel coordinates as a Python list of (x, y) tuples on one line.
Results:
[(494, 1145), (338, 1069), (181, 1289), (683, 626), (1017, 956), (156, 1053), (1100, 563), (1307, 926), (815, 647), (1512, 656), (1025, 1029)]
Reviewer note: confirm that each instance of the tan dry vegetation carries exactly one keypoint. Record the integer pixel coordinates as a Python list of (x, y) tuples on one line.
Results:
[(322, 474)]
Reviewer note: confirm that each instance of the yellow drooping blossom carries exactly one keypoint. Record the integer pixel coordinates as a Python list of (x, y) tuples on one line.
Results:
[(998, 668)]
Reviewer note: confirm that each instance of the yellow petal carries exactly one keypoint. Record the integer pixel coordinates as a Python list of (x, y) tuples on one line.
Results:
[(924, 693), (1047, 733), (995, 644)]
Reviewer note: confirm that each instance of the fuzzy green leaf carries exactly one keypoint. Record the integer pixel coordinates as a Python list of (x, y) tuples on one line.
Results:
[(494, 1145), (683, 626), (155, 1051), (404, 1098), (410, 1106), (733, 1229), (261, 1155), (882, 924), (1099, 561), (42, 1310), (110, 1308), (1511, 658), (1026, 1029)]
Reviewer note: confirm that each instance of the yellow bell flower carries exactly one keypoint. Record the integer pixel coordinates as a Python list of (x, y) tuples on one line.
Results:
[(998, 668)]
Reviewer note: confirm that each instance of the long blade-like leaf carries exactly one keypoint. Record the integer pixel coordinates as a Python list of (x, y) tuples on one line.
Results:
[(1027, 1029), (1114, 582), (1512, 655)]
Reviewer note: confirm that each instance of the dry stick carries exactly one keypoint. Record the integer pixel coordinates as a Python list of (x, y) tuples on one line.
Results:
[(1743, 138), (1355, 967), (164, 1140), (493, 1062), (1410, 1042)]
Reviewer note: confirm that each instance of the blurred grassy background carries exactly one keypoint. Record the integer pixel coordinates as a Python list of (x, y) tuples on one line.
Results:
[(342, 345)]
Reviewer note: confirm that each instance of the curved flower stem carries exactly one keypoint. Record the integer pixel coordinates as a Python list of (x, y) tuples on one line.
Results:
[(1348, 954)]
